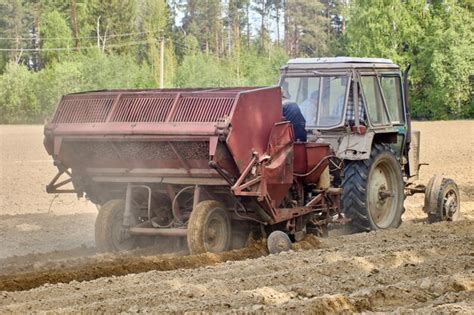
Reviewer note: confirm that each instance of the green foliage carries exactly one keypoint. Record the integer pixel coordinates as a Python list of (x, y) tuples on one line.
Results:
[(307, 28), (447, 61), (100, 71), (116, 44), (27, 96), (155, 26), (437, 39), (263, 70), (203, 20), (56, 33), (55, 81), (203, 70), (18, 103)]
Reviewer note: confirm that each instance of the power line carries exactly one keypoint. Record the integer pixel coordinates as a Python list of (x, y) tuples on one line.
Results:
[(72, 38), (70, 48), (186, 46)]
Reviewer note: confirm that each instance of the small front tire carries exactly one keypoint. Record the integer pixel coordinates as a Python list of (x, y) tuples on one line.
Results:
[(442, 200)]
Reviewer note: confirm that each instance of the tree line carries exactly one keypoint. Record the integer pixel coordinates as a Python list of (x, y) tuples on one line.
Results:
[(52, 47)]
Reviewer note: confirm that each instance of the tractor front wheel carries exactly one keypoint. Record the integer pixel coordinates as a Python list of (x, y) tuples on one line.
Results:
[(209, 228), (442, 200), (373, 191)]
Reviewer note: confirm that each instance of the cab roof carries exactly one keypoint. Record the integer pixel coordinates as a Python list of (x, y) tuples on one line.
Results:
[(339, 62)]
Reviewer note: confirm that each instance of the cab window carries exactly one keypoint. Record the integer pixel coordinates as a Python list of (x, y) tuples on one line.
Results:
[(373, 97), (321, 99), (391, 87)]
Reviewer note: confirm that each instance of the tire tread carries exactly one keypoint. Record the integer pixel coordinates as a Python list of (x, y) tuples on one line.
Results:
[(354, 194), (103, 225), (196, 225)]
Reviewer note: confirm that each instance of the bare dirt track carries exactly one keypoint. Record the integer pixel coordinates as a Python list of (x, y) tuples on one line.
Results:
[(418, 268)]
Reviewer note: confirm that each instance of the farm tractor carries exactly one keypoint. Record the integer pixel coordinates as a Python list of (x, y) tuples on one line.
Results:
[(212, 168)]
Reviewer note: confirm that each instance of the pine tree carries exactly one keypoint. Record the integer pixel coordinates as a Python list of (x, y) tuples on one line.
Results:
[(155, 24), (203, 20), (263, 9), (114, 21), (305, 28), (14, 24)]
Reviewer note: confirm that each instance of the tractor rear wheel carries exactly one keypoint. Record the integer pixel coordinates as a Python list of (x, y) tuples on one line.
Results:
[(373, 191), (110, 235), (209, 228)]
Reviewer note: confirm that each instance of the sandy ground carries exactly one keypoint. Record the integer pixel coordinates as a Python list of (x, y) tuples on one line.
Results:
[(30, 219), (417, 268)]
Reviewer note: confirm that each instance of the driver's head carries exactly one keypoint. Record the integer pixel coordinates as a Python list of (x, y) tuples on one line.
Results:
[(284, 91), (314, 95)]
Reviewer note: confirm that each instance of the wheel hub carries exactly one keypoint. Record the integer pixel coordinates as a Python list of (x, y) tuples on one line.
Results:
[(384, 193), (215, 229), (211, 233), (381, 190), (449, 205)]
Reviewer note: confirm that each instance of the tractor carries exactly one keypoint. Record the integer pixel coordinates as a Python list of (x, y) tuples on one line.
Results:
[(211, 168), (360, 106)]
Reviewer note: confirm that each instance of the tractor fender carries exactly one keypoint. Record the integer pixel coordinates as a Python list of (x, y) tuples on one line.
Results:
[(355, 146)]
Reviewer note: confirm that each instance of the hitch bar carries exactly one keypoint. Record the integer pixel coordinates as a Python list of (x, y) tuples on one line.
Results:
[(53, 186)]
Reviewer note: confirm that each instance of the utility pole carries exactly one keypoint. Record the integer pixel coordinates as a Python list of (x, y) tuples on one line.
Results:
[(162, 62), (75, 26)]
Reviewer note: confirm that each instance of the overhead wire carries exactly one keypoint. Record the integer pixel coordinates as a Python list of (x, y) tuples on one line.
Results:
[(32, 37), (175, 44), (71, 48), (73, 38)]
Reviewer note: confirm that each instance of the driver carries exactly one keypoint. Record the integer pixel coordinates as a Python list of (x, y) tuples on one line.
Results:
[(309, 107), (292, 112)]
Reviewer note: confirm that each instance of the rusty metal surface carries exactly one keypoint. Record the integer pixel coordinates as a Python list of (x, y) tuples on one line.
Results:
[(146, 108), (278, 174), (82, 110), (168, 131), (202, 109), (167, 105), (252, 121), (134, 154), (171, 137)]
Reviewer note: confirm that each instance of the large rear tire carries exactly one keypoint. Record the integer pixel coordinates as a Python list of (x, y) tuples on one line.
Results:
[(373, 191), (209, 228), (110, 236)]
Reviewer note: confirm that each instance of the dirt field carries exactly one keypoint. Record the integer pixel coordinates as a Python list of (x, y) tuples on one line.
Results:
[(418, 268)]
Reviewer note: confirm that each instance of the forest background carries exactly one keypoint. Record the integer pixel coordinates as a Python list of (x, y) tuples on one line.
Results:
[(52, 47)]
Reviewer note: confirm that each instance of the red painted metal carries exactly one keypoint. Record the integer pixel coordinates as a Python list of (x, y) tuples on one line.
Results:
[(202, 109), (146, 108), (83, 110), (307, 156), (167, 130), (174, 135), (278, 174), (252, 121)]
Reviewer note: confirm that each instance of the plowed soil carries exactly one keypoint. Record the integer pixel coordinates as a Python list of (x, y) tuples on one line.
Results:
[(418, 268)]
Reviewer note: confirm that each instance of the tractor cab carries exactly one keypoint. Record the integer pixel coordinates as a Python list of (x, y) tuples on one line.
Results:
[(351, 103), (359, 107), (324, 88)]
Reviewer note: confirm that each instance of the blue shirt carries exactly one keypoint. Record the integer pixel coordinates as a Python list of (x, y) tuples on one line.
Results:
[(292, 112)]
